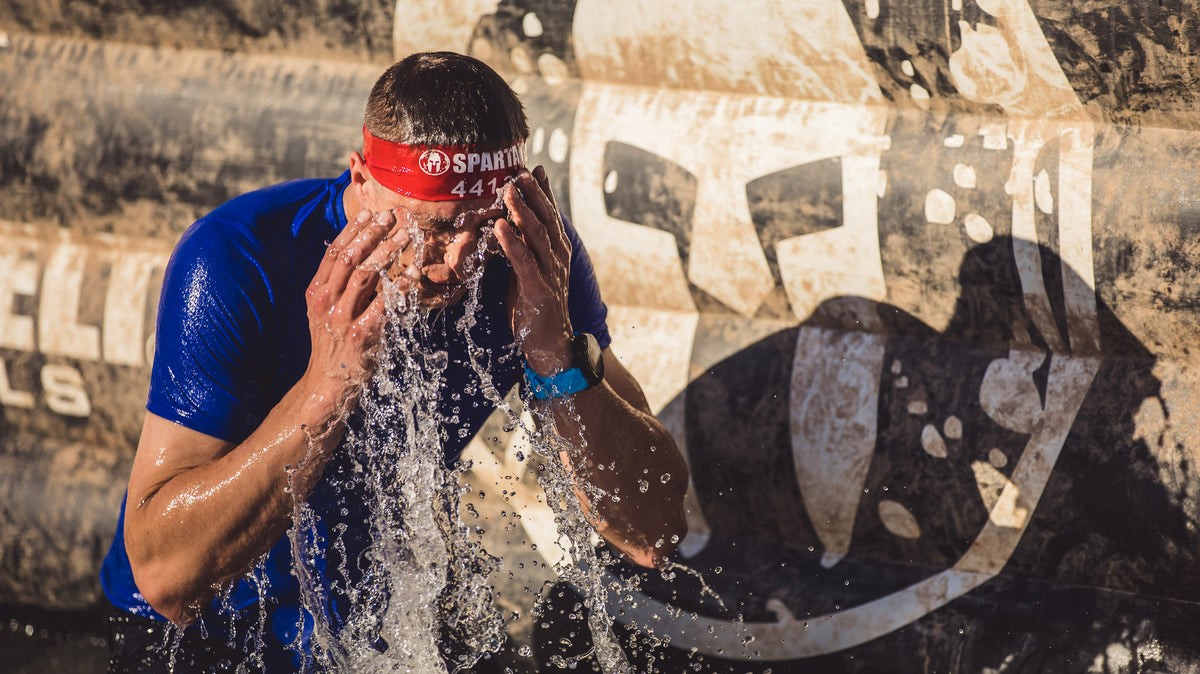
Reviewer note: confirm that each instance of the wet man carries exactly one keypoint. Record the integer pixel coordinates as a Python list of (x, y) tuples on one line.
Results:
[(267, 323)]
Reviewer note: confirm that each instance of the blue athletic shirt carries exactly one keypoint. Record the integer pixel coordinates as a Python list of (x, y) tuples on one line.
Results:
[(232, 338)]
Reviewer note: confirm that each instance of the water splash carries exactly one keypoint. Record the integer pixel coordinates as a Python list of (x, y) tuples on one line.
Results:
[(418, 599), (582, 565)]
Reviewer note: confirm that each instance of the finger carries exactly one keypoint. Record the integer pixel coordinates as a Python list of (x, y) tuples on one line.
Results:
[(519, 255), (542, 205), (369, 324), (334, 249), (398, 238), (491, 244), (543, 181), (463, 252), (358, 250), (538, 196), (364, 283), (530, 226), (535, 197), (558, 231)]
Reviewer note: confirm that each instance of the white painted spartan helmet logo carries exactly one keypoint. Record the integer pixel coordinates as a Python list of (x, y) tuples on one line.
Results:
[(434, 162)]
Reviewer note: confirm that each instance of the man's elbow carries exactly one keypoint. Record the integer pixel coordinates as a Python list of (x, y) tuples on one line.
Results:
[(656, 549), (675, 522), (172, 600), (164, 587), (174, 607), (676, 529)]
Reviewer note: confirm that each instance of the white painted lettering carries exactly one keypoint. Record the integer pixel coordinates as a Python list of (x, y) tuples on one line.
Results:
[(10, 397), (53, 272), (472, 162), (124, 307), (460, 163), (17, 277), (59, 333), (485, 161), (65, 394)]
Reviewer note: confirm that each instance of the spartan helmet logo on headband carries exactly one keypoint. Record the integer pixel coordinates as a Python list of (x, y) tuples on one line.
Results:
[(441, 173), (434, 162)]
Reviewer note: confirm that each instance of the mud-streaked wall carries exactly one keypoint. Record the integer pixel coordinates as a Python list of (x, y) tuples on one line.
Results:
[(912, 283)]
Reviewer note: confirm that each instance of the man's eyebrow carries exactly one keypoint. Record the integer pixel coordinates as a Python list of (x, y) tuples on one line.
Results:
[(437, 223)]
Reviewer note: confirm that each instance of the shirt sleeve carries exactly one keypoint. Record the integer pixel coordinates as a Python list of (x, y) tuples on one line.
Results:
[(211, 332), (587, 308)]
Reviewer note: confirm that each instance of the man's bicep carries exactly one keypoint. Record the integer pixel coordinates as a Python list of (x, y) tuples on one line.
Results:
[(212, 351), (165, 451)]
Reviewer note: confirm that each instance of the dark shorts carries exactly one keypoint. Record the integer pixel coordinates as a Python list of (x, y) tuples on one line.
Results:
[(141, 645), (144, 646)]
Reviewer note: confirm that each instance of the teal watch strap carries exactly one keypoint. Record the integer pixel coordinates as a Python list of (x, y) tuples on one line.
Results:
[(587, 370), (556, 385)]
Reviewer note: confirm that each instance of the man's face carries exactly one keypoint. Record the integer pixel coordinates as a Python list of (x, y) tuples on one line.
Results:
[(451, 243)]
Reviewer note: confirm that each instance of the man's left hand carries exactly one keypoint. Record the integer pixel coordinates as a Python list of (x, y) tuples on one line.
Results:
[(537, 248)]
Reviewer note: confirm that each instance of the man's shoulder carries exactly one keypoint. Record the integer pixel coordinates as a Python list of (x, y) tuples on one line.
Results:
[(277, 204), (264, 222)]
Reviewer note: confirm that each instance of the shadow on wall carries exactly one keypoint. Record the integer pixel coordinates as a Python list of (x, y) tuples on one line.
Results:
[(825, 492)]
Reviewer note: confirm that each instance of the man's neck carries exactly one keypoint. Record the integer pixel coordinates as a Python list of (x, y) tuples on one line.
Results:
[(350, 205)]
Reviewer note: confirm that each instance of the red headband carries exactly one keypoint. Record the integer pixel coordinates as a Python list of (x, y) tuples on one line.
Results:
[(440, 172)]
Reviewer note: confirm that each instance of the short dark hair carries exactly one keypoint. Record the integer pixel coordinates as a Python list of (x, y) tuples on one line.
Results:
[(444, 98)]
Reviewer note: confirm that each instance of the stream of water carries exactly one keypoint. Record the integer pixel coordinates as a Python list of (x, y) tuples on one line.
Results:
[(420, 598)]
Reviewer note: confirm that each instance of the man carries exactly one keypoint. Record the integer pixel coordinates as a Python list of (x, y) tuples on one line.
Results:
[(267, 326)]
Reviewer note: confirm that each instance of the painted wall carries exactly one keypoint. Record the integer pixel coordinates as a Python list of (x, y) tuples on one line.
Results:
[(911, 283)]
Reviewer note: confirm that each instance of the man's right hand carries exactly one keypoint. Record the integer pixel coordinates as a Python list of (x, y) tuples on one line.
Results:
[(202, 509), (345, 309)]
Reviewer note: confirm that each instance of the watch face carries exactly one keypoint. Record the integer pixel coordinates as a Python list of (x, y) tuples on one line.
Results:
[(588, 357)]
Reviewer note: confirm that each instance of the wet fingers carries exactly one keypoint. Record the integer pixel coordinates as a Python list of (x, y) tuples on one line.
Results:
[(354, 253), (532, 229), (334, 250), (558, 234)]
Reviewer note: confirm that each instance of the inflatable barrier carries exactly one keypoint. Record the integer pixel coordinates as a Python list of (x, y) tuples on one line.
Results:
[(912, 284)]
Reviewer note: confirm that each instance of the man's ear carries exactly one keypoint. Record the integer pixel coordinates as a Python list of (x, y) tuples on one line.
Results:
[(358, 168), (356, 191)]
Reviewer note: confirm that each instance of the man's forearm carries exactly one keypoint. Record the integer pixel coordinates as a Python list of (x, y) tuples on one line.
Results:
[(208, 523), (201, 510), (632, 478)]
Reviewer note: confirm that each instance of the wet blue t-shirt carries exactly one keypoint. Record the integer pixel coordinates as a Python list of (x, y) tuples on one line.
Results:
[(232, 338)]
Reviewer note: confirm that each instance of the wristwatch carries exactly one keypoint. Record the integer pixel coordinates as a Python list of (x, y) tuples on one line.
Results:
[(587, 370)]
